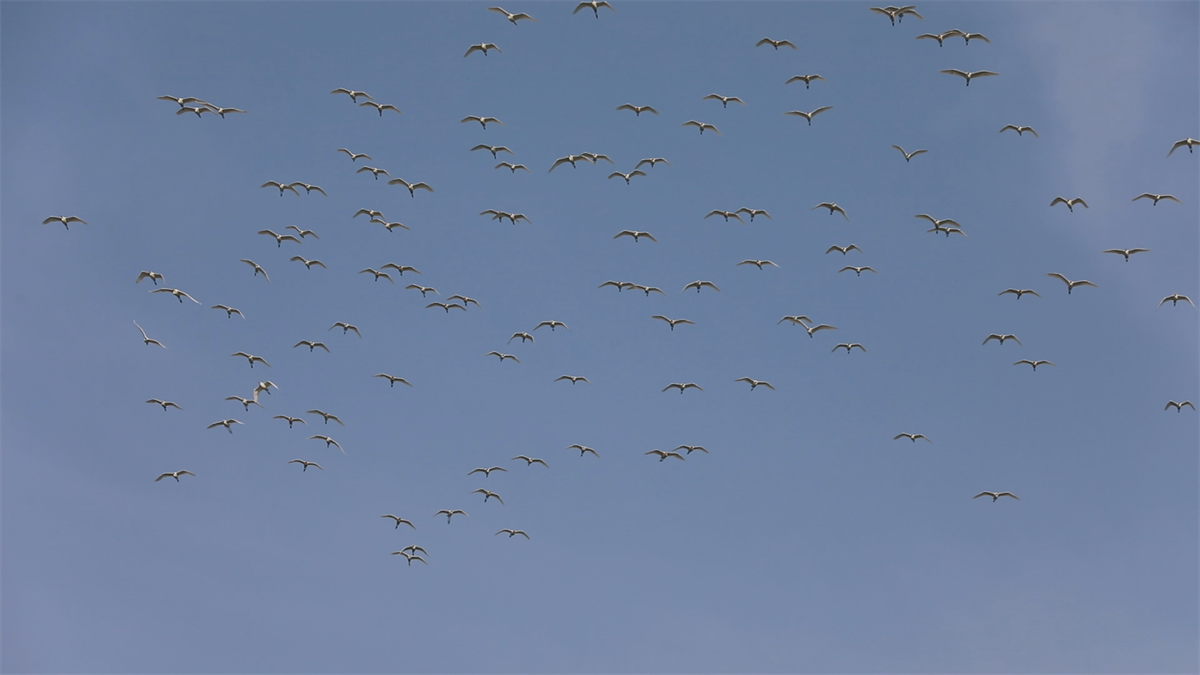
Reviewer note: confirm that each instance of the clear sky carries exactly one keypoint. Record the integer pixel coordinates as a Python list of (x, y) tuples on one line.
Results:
[(805, 540)]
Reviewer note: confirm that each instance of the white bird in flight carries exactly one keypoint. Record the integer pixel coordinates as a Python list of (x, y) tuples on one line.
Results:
[(808, 115), (1189, 142), (482, 47), (1070, 203), (806, 79), (353, 156), (483, 121), (702, 126), (637, 109), (756, 383), (594, 5), (306, 464), (683, 386), (257, 269), (1019, 129), (723, 99), (352, 94), (392, 379), (1147, 195), (251, 358), (224, 423), (909, 155), (996, 495), (832, 207), (1175, 300), (512, 18), (146, 339), (65, 220), (179, 295), (164, 404), (328, 441), (968, 75), (911, 437), (1071, 284), (1035, 364), (672, 322), (175, 475), (775, 43), (1126, 251)]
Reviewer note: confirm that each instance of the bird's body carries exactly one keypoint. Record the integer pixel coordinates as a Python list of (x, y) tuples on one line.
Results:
[(492, 149), (346, 328), (487, 494), (723, 99), (482, 47), (593, 5), (328, 441), (754, 212), (399, 520), (582, 449), (377, 273), (423, 289), (530, 461), (512, 18), (351, 93), (309, 188), (446, 306), (502, 356), (652, 161), (1178, 406), (257, 269), (911, 437), (228, 424), (451, 513), (575, 379), (663, 454), (244, 401), (198, 111), (308, 264), (635, 234), (842, 249), (152, 276), (483, 120), (279, 238), (325, 415), (1126, 251), (692, 448), (1019, 292), (280, 186), (523, 335), (849, 346), (858, 270), (1188, 142), (725, 214), (290, 420), (672, 322), (353, 155), (626, 176), (487, 471), (698, 284), (379, 107), (179, 295), (570, 159), (757, 263), (512, 167), (552, 324), (375, 171), (833, 207), (824, 326), (806, 79), (513, 533), (411, 187)]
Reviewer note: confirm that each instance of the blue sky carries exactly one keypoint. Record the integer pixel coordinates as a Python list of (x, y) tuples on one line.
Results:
[(807, 540)]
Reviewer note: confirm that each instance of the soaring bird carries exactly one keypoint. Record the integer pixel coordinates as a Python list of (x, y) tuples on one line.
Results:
[(512, 18), (410, 557), (257, 269), (937, 36), (244, 401), (757, 263), (311, 345), (354, 156), (702, 126), (635, 234), (290, 420), (700, 284), (399, 520), (755, 383), (467, 302), (842, 249), (346, 328), (1020, 291), (224, 423), (179, 295), (996, 495), (594, 5), (754, 212), (309, 188), (1019, 129), (251, 358), (328, 441), (152, 276), (909, 155), (530, 461), (725, 214), (390, 226), (936, 223), (968, 75), (450, 514), (692, 448), (446, 306), (723, 99), (1001, 338), (402, 269), (1070, 203), (858, 270), (647, 289), (626, 176), (280, 186), (652, 161), (570, 159), (164, 404), (1035, 364), (596, 157), (551, 324), (523, 335), (264, 386), (806, 79), (377, 273), (175, 475), (575, 379), (968, 36), (198, 111), (326, 415), (1147, 195), (279, 238), (809, 115), (483, 121), (487, 494), (502, 356), (488, 471), (370, 213), (832, 207), (823, 326), (302, 233), (663, 454), (946, 230), (423, 289), (392, 379), (794, 319), (482, 47), (683, 386), (513, 533), (582, 449), (375, 171), (1189, 142), (637, 109), (492, 149), (181, 101), (672, 322), (1175, 300), (1071, 284), (306, 464), (411, 187), (511, 167), (380, 107), (352, 94), (146, 339), (66, 222), (849, 346), (308, 264), (1179, 406), (911, 437), (1126, 251), (774, 43)]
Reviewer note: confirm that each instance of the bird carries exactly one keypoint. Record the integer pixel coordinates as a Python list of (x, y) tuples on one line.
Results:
[(257, 269), (309, 188), (279, 238), (181, 101), (692, 448), (251, 358), (224, 423), (683, 386), (635, 234), (450, 514), (647, 289), (1035, 364), (352, 94), (843, 249), (968, 75), (1020, 291), (1126, 251), (354, 155), (1001, 338), (446, 306), (723, 99), (487, 494), (175, 475), (326, 415), (652, 161), (996, 495), (849, 346), (1019, 129), (909, 155), (596, 157), (523, 335), (367, 212), (626, 176), (806, 79), (857, 270), (483, 121), (198, 110), (1069, 202), (797, 319), (513, 533), (410, 557), (911, 437), (413, 549), (1070, 284), (399, 520), (493, 149), (401, 269), (146, 339), (179, 295), (530, 461), (702, 126), (423, 289), (303, 233), (594, 5), (512, 167), (264, 386), (662, 454), (1179, 406), (1147, 195), (936, 223), (412, 187), (701, 284), (465, 300), (1189, 142), (281, 186), (575, 379), (377, 273), (488, 471), (308, 264), (808, 115), (1175, 300), (346, 328), (66, 221), (152, 276), (502, 356), (757, 263), (380, 107), (947, 230), (637, 109), (725, 214), (390, 226), (672, 322), (570, 159), (392, 379), (512, 18), (774, 43), (311, 345), (754, 212), (551, 324), (375, 171), (756, 383), (896, 12), (937, 36), (968, 36), (328, 441), (244, 401), (482, 47), (824, 326), (164, 404), (582, 449), (290, 420), (832, 207), (306, 464)]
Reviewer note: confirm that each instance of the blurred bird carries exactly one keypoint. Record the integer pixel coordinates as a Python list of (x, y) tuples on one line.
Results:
[(482, 47), (530, 461), (1126, 251), (575, 379), (399, 520), (502, 356), (832, 208), (996, 495), (279, 238), (849, 346), (683, 386), (726, 215), (257, 269), (1035, 364), (512, 18), (328, 441), (353, 156), (306, 464), (594, 5), (513, 533), (968, 75), (1020, 291), (164, 404), (672, 322), (392, 379), (757, 263), (626, 176), (375, 172), (290, 420), (488, 471), (179, 295), (723, 99), (1179, 406), (756, 383), (702, 126), (492, 149), (808, 115), (909, 155), (806, 79), (487, 494), (251, 358), (635, 234), (858, 270), (423, 289), (1175, 300), (303, 233), (551, 324), (146, 339), (411, 187), (326, 415), (1147, 195), (1001, 338), (308, 264), (346, 328), (662, 454), (450, 514), (175, 475), (700, 284), (483, 121), (224, 423), (912, 437), (66, 222), (352, 94), (637, 109), (281, 186), (1069, 202), (379, 107), (152, 276), (1019, 129), (1189, 142), (774, 43), (512, 167), (1070, 284), (311, 345), (582, 449), (842, 249)]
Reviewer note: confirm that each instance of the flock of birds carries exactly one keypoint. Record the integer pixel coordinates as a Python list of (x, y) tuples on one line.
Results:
[(463, 303)]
